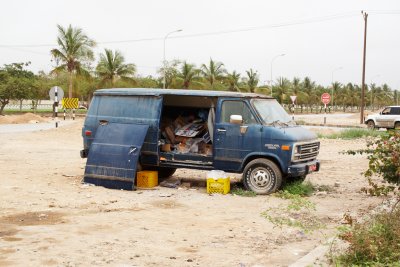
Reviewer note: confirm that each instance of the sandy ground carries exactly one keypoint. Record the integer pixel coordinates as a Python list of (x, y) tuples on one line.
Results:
[(49, 218)]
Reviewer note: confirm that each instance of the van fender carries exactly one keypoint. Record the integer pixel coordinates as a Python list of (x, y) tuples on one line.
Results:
[(270, 156)]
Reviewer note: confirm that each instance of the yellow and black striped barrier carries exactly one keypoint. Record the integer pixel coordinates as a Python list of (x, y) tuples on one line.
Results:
[(70, 103)]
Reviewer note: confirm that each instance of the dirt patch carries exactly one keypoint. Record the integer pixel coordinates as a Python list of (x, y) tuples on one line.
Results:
[(166, 204), (49, 262), (4, 253), (34, 218), (160, 227), (24, 118), (11, 239), (7, 231)]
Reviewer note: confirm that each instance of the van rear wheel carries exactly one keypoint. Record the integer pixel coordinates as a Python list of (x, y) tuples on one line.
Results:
[(164, 173), (262, 176)]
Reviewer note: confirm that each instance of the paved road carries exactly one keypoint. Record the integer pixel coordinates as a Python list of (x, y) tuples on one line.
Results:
[(31, 127)]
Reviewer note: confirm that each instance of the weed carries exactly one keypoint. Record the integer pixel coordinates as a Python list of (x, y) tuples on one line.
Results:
[(296, 214), (353, 134), (242, 192), (374, 242), (325, 188), (299, 188)]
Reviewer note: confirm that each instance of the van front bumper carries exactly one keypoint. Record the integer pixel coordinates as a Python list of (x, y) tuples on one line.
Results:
[(303, 168)]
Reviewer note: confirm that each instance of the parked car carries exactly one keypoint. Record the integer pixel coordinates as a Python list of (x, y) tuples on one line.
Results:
[(166, 129), (388, 118)]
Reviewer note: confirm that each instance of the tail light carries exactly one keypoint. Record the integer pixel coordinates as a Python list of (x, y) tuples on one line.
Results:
[(88, 133)]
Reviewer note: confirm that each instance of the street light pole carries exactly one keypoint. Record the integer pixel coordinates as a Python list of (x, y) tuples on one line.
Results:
[(272, 61), (164, 62), (339, 68)]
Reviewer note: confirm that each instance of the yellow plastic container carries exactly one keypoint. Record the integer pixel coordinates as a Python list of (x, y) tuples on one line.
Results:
[(218, 186), (147, 179)]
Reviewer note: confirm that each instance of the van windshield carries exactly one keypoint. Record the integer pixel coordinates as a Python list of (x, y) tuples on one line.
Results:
[(271, 112)]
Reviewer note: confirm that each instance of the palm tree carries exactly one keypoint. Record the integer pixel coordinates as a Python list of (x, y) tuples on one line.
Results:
[(387, 93), (282, 89), (171, 72), (74, 50), (213, 72), (233, 80), (351, 95), (336, 87), (252, 79), (111, 67), (188, 74), (309, 88)]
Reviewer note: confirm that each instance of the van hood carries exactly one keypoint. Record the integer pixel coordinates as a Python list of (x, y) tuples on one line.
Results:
[(293, 133)]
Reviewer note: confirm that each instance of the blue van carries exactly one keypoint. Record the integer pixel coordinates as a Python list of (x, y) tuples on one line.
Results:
[(164, 129)]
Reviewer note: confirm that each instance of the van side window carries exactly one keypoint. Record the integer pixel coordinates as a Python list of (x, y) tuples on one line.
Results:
[(231, 107)]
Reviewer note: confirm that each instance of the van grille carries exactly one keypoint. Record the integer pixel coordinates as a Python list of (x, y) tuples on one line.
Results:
[(305, 151)]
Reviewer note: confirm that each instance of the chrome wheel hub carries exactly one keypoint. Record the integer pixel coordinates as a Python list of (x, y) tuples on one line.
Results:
[(260, 178)]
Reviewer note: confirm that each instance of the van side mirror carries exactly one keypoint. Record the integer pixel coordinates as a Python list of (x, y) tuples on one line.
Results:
[(236, 119)]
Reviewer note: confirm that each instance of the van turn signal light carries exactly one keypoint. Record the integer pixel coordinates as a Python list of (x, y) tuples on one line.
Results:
[(285, 147)]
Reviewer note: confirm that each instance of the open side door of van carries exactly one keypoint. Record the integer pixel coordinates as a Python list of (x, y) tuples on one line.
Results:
[(113, 155)]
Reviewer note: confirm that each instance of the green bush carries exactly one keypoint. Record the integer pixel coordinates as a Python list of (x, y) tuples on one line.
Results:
[(374, 242), (299, 188), (384, 157)]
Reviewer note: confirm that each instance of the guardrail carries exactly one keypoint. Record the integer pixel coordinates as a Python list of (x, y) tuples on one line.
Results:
[(28, 107)]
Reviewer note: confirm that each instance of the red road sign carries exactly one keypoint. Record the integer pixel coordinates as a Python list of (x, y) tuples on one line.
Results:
[(326, 98)]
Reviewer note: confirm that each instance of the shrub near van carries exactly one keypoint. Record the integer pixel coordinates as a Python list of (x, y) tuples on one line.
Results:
[(166, 129)]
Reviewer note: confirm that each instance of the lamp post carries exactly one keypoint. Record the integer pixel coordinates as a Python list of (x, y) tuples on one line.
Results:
[(164, 62), (339, 68), (272, 61)]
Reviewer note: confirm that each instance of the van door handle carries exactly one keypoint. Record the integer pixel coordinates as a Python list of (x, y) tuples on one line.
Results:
[(221, 130), (132, 150)]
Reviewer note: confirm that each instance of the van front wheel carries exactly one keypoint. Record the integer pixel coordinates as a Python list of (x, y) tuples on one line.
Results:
[(262, 176)]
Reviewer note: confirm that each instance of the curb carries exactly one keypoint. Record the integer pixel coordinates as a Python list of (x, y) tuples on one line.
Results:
[(317, 253)]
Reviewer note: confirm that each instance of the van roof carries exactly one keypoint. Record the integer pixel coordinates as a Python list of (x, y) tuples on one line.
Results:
[(186, 92)]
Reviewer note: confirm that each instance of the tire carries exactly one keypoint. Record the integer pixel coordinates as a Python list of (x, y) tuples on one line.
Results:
[(164, 173), (371, 124), (397, 126), (262, 176)]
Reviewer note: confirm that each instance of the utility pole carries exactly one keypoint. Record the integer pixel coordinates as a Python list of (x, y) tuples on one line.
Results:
[(365, 16)]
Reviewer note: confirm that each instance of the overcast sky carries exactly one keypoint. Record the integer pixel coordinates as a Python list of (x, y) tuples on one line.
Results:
[(317, 37)]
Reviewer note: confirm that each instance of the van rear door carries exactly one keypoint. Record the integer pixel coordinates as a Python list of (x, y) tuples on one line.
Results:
[(113, 155)]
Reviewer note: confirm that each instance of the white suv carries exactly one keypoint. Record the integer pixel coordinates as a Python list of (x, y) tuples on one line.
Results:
[(388, 118)]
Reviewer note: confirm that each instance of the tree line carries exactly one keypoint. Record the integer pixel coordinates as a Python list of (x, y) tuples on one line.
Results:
[(74, 57)]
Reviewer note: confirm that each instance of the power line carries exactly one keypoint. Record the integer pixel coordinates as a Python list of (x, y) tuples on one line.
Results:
[(248, 29), (256, 28)]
